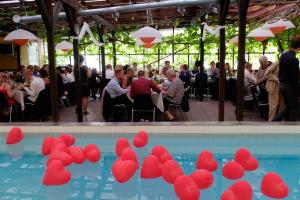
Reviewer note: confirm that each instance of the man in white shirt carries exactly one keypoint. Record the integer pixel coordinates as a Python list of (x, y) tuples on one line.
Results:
[(249, 80), (34, 86), (109, 73), (67, 77)]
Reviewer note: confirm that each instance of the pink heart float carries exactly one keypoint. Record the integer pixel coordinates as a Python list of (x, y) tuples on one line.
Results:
[(60, 153), (232, 170), (121, 145), (56, 174), (241, 190), (46, 146), (170, 171), (92, 153), (141, 139), (161, 153), (203, 178), (77, 154), (124, 170), (129, 154), (206, 161), (244, 158), (273, 186), (186, 188), (14, 136), (68, 139), (151, 168)]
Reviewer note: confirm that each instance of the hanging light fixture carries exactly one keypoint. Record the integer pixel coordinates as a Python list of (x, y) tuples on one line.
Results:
[(261, 34), (20, 37), (64, 46), (278, 26), (147, 35)]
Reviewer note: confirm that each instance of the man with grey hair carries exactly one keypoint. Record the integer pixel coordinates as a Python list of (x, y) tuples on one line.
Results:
[(264, 63), (173, 94)]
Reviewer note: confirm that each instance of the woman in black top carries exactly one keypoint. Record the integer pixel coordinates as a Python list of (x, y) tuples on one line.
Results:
[(85, 90), (94, 82)]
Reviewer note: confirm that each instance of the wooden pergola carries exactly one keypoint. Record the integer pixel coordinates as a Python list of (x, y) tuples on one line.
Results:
[(109, 14)]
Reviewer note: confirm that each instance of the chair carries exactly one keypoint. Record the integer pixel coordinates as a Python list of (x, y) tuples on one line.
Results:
[(143, 103), (118, 110), (4, 104), (184, 107)]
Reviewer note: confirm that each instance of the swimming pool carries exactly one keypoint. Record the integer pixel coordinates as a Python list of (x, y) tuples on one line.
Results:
[(22, 166)]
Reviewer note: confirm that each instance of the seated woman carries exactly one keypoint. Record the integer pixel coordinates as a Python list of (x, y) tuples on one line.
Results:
[(6, 91), (185, 75), (127, 78), (201, 83), (173, 94)]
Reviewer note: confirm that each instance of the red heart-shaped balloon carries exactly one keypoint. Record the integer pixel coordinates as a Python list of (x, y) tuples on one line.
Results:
[(77, 154), (161, 153), (123, 170), (186, 188), (241, 190), (140, 139), (129, 154), (68, 139), (92, 153), (60, 153), (244, 158), (56, 174), (151, 167), (203, 178), (232, 170), (206, 161), (46, 146), (14, 136), (273, 186), (57, 141), (121, 145), (170, 170)]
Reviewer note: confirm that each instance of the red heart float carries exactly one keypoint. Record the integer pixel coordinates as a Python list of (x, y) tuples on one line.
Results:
[(77, 154), (232, 170), (273, 186), (56, 174), (186, 188), (241, 190), (141, 139), (244, 158), (60, 153), (129, 154), (161, 153), (14, 136), (123, 170), (170, 170), (57, 141), (92, 153), (121, 145), (151, 168), (68, 139), (203, 178), (206, 161), (46, 146)]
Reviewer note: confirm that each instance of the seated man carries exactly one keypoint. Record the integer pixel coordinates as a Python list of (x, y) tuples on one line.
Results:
[(33, 86), (142, 86), (174, 93), (249, 80)]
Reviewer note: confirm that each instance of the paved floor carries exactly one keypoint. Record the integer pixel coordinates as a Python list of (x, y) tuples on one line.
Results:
[(199, 111)]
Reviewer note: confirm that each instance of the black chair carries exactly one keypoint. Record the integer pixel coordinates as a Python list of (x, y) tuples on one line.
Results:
[(4, 104), (143, 103), (119, 113)]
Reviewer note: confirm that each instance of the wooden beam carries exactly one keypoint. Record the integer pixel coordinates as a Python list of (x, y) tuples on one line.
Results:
[(71, 3), (46, 11), (56, 10), (243, 7), (224, 6)]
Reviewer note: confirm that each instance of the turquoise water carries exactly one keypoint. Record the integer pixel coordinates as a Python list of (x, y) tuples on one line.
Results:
[(22, 167)]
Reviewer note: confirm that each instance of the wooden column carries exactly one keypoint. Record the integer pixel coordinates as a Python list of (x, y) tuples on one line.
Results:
[(113, 34), (201, 44), (49, 18), (100, 29), (224, 6), (243, 7), (158, 57), (173, 46)]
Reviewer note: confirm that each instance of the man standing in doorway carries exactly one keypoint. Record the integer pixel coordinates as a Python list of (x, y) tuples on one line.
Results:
[(289, 82)]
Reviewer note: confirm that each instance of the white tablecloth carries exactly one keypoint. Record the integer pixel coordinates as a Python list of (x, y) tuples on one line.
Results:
[(19, 97), (157, 100)]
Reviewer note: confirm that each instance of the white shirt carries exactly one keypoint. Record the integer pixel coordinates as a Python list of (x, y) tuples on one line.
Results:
[(109, 74), (249, 79), (67, 78), (36, 86)]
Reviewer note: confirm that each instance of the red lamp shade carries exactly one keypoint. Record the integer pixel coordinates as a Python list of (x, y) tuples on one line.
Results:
[(148, 45), (65, 50), (261, 39), (20, 42), (278, 29), (147, 39)]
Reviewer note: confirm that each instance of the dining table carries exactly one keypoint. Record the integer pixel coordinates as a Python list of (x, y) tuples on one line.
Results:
[(157, 99)]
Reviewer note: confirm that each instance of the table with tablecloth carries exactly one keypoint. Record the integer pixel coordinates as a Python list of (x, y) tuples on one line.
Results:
[(19, 97), (157, 100)]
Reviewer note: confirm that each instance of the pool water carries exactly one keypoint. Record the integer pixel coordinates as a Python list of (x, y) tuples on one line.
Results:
[(22, 167)]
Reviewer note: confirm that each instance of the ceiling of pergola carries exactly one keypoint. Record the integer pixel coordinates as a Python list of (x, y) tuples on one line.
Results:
[(259, 10)]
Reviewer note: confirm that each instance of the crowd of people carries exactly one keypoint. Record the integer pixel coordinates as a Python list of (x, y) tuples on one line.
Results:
[(272, 89)]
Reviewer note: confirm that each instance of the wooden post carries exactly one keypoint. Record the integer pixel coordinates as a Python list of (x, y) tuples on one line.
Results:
[(46, 10), (224, 6), (102, 48), (201, 47), (158, 57), (173, 47), (113, 33), (243, 7)]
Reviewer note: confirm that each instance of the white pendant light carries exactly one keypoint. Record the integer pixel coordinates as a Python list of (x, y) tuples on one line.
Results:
[(279, 26), (261, 34), (64, 46), (20, 37)]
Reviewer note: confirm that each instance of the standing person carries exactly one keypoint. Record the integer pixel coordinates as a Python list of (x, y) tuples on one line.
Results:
[(212, 69), (85, 74), (135, 68), (264, 64), (201, 82), (185, 75), (94, 83), (289, 82), (109, 73)]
